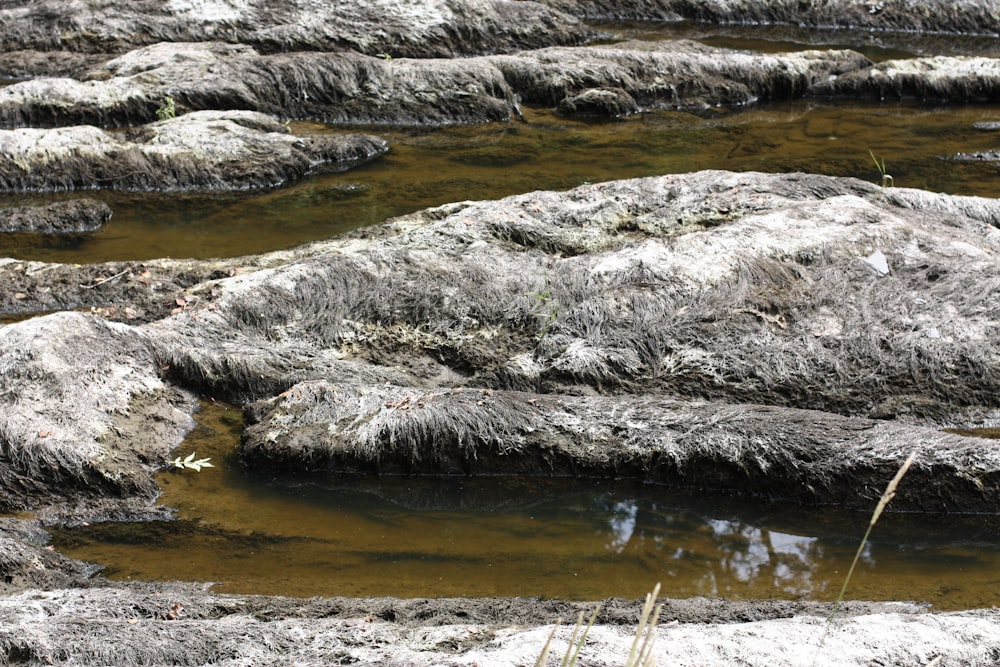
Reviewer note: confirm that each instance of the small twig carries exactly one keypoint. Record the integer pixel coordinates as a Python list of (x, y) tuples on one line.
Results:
[(106, 280)]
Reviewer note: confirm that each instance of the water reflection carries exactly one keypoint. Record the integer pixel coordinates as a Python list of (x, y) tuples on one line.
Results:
[(622, 523), (584, 539)]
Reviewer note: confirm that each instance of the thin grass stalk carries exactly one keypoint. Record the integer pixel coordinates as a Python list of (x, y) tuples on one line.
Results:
[(646, 654), (887, 496), (572, 641), (640, 658), (544, 656), (569, 660)]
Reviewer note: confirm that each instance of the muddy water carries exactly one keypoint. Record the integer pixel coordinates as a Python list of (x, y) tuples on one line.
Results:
[(432, 167), (583, 539)]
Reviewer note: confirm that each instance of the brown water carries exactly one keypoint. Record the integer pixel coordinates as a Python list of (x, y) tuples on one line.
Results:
[(433, 167), (583, 539)]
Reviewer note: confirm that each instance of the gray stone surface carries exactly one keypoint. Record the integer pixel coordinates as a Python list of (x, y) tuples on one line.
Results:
[(208, 150)]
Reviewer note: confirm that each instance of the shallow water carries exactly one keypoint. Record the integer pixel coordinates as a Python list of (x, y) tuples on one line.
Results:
[(431, 167), (582, 539)]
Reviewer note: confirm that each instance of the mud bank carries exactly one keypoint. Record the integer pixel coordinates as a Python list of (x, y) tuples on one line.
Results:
[(68, 217), (133, 292), (166, 624), (208, 150)]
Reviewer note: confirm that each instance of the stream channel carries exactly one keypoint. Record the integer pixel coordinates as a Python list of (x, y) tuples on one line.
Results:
[(582, 539)]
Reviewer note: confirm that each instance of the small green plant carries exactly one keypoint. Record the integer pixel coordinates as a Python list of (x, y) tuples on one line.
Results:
[(548, 306), (168, 110), (189, 463), (887, 496), (880, 165)]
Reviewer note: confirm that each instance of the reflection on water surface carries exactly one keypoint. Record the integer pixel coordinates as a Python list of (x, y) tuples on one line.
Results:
[(584, 539)]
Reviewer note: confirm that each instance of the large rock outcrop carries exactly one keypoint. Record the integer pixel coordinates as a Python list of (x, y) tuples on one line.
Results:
[(85, 419)]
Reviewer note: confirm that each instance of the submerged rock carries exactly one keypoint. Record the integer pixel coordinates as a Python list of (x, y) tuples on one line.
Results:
[(64, 217), (204, 151), (598, 103)]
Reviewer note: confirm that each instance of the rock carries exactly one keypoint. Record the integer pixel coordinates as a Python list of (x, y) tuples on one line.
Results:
[(735, 287), (341, 87), (979, 156), (427, 28), (944, 79), (130, 292), (64, 217), (207, 150), (30, 64), (672, 74), (768, 452), (26, 563), (84, 418), (878, 263), (350, 88), (910, 16), (598, 103)]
